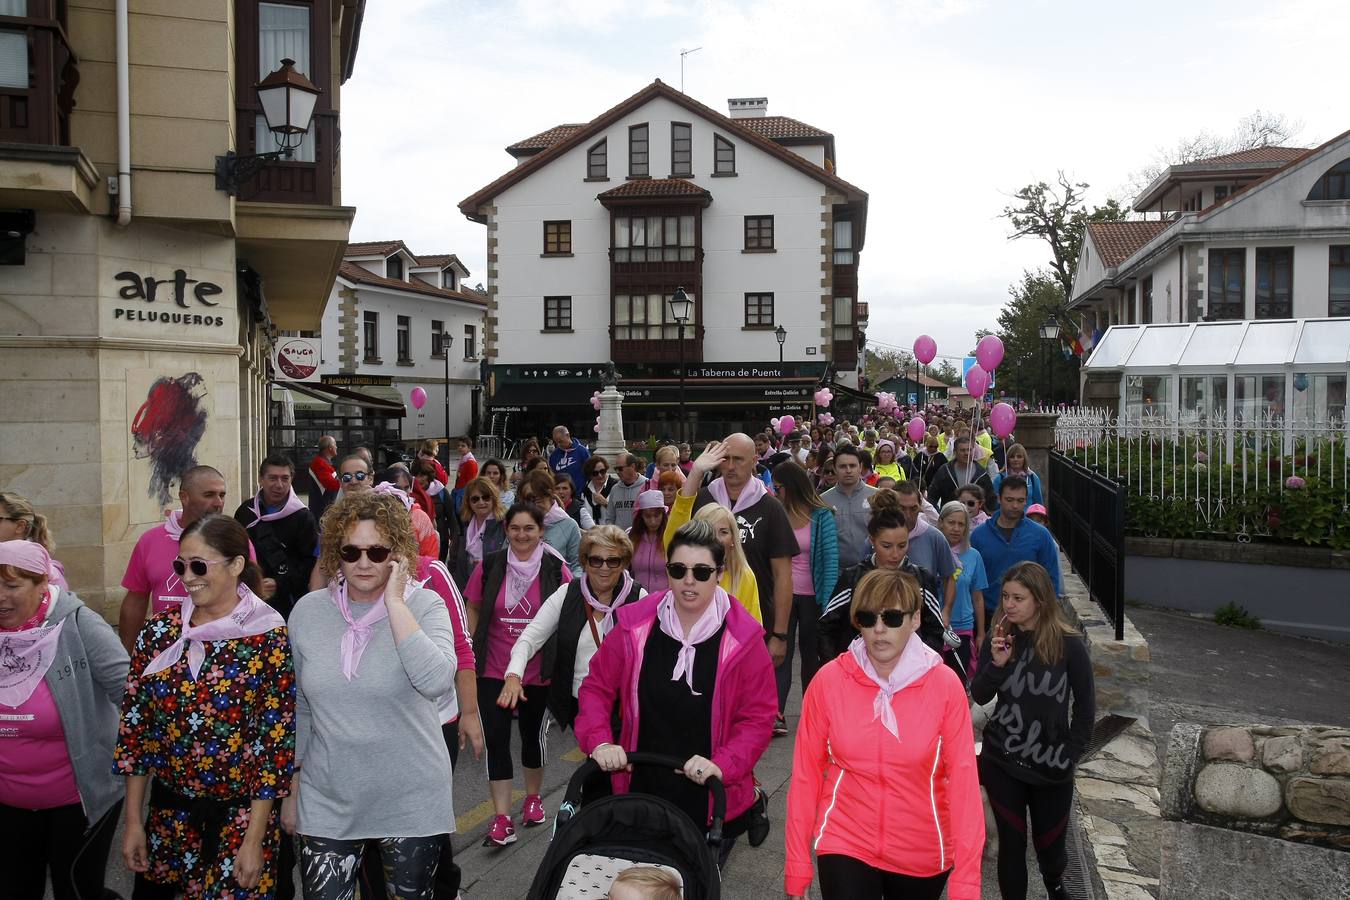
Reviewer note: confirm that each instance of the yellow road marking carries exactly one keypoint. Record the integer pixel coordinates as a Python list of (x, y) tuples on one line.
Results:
[(482, 812)]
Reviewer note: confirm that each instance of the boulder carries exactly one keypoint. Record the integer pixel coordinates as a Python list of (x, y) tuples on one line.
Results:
[(1238, 791), (1230, 743), (1325, 801)]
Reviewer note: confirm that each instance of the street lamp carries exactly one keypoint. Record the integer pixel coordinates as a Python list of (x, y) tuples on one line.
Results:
[(443, 348), (288, 99), (1049, 333), (781, 333), (680, 308)]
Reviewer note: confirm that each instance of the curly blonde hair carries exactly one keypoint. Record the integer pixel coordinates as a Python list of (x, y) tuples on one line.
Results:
[(392, 520)]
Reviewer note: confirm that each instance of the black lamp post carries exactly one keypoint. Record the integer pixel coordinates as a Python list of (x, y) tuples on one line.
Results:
[(288, 99), (680, 308), (1049, 333), (444, 350), (781, 333)]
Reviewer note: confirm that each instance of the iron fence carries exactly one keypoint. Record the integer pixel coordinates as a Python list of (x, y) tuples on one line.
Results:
[(1265, 478), (1087, 517)]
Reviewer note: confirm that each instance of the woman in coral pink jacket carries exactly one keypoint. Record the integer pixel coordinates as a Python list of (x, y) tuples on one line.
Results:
[(694, 680), (884, 784)]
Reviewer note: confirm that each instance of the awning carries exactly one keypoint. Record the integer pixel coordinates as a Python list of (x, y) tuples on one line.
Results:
[(384, 399), (519, 397), (852, 393)]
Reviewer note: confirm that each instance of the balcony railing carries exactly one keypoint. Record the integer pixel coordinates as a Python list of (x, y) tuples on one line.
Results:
[(623, 350)]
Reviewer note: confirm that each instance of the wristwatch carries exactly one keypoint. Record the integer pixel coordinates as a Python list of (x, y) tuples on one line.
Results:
[(778, 634)]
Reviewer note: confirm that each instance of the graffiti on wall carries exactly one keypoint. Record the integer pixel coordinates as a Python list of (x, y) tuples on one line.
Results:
[(166, 430)]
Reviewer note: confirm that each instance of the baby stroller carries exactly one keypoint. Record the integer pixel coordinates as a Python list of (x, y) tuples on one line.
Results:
[(593, 845)]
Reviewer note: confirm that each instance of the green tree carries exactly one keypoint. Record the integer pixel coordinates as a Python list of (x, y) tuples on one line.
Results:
[(1058, 216), (947, 373), (1024, 371)]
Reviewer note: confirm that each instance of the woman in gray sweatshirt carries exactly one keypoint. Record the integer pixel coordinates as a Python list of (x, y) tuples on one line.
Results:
[(373, 653)]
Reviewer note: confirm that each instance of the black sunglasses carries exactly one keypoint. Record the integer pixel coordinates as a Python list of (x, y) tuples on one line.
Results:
[(351, 553), (476, 497), (597, 562), (701, 572), (893, 618), (349, 477), (199, 567), (602, 471)]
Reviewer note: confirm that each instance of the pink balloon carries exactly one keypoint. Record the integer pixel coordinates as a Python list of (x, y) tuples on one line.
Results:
[(418, 397), (1002, 419), (977, 381), (925, 349), (824, 397), (825, 419), (786, 425), (916, 429), (595, 401), (989, 352)]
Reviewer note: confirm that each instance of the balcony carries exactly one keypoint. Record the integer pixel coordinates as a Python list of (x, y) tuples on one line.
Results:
[(40, 112), (655, 351), (36, 176)]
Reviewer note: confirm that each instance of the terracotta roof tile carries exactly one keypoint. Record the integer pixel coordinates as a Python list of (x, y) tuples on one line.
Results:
[(1254, 156), (439, 260), (545, 139), (655, 187), (779, 127), (1118, 241), (373, 248), (353, 272)]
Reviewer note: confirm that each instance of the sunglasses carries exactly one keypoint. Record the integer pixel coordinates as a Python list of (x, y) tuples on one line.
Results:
[(972, 503), (199, 567), (477, 497), (701, 572), (602, 471), (600, 562), (352, 553), (893, 618), (349, 477)]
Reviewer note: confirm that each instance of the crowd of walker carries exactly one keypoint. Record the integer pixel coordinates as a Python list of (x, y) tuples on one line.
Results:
[(289, 688)]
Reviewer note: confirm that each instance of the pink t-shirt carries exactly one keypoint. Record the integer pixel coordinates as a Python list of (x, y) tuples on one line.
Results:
[(507, 626), (801, 563), (35, 770), (150, 570)]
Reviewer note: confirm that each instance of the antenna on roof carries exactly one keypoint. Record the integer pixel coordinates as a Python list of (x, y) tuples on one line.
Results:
[(683, 54)]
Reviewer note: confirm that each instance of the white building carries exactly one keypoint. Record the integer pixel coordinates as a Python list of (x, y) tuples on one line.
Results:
[(1261, 234), (396, 321), (598, 225)]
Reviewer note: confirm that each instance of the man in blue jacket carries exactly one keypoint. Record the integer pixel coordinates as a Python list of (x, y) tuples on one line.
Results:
[(567, 458), (1009, 538)]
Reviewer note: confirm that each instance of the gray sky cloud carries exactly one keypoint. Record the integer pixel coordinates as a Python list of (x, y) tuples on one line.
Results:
[(940, 109)]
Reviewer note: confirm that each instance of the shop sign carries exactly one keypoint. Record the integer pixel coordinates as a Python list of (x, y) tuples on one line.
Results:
[(358, 380), (297, 359), (148, 290)]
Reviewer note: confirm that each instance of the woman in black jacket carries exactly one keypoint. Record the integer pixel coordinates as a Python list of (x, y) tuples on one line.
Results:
[(1039, 668)]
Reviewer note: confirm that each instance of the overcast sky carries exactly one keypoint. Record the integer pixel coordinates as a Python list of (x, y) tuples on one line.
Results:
[(940, 109)]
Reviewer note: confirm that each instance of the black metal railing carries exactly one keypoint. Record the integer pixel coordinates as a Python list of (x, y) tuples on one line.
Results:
[(1087, 517)]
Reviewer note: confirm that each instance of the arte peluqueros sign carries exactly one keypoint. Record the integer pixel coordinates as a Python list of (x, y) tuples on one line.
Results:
[(151, 290)]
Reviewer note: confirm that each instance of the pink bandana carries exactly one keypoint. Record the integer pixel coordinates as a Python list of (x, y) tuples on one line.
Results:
[(173, 524), (886, 689), (30, 556), (555, 514), (359, 633), (473, 538), (249, 617), (293, 504), (620, 595), (704, 628), (27, 652), (521, 573), (750, 494), (402, 496)]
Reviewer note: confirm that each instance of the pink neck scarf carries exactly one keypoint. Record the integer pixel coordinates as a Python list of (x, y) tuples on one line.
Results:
[(27, 652), (521, 573), (250, 616), (750, 494), (473, 538), (293, 504), (173, 524), (619, 596), (360, 631), (886, 688), (402, 496), (704, 628), (555, 514)]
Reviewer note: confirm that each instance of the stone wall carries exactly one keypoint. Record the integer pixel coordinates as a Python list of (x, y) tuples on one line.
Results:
[(1277, 798)]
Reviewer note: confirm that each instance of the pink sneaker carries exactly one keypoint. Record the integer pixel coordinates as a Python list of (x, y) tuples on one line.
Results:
[(532, 813), (500, 833)]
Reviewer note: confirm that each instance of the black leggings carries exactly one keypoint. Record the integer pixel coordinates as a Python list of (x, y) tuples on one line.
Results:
[(803, 626), (533, 725), (1049, 806), (845, 877), (59, 840), (330, 867)]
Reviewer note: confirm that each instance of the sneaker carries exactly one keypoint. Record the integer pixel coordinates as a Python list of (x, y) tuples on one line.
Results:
[(780, 728), (500, 833), (759, 819), (532, 812)]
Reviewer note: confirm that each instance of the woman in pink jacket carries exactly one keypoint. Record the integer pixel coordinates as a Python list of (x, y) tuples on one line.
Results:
[(884, 785), (693, 680)]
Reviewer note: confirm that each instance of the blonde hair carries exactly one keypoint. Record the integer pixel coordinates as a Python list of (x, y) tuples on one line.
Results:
[(883, 589), (668, 450), (481, 483), (718, 516), (392, 520), (1047, 637), (15, 507), (653, 883), (609, 537)]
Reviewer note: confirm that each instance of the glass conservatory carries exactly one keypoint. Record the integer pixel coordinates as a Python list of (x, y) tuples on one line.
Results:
[(1289, 371)]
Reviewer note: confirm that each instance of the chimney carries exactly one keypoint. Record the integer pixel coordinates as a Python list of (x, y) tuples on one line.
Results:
[(748, 107)]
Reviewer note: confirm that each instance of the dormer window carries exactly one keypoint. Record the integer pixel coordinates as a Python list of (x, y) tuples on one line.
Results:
[(393, 267), (1334, 185), (724, 156), (448, 280)]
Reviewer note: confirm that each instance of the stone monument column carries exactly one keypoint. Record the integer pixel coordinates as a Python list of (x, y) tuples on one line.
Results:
[(1036, 432), (610, 439)]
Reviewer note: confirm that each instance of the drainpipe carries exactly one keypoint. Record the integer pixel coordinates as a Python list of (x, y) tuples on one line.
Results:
[(123, 118)]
